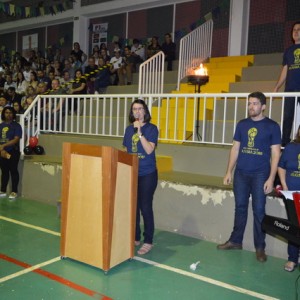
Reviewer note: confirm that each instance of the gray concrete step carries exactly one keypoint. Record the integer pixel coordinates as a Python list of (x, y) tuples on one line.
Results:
[(266, 68), (241, 112), (133, 89), (169, 77), (261, 73), (111, 125), (251, 86), (122, 89), (181, 153), (262, 76), (268, 59)]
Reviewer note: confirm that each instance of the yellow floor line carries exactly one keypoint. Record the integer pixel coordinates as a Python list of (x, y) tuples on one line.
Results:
[(25, 271), (206, 279), (30, 226), (150, 262)]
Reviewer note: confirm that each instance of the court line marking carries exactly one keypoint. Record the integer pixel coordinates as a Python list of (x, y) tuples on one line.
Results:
[(37, 269), (30, 226), (162, 266), (205, 279), (24, 265)]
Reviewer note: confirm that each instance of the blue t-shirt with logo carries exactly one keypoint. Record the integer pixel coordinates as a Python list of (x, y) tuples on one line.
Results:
[(8, 132), (256, 139), (147, 162), (291, 58), (290, 162)]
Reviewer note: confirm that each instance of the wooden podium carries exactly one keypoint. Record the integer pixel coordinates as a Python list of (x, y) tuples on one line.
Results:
[(99, 190)]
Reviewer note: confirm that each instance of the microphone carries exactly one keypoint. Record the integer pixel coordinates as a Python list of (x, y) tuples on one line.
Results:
[(135, 129)]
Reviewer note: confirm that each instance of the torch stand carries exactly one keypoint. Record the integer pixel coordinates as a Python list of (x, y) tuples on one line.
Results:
[(198, 81)]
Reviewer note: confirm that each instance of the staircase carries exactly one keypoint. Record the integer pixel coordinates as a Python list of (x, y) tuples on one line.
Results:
[(222, 72), (262, 76)]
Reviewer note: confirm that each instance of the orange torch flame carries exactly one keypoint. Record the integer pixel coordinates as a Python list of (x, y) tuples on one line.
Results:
[(202, 71)]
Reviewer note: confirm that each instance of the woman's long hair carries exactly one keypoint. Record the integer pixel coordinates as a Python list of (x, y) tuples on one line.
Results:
[(8, 108), (297, 137), (295, 23), (147, 117), (34, 75)]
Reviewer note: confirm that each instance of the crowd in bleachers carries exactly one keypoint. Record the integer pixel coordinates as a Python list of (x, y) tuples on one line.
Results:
[(22, 78)]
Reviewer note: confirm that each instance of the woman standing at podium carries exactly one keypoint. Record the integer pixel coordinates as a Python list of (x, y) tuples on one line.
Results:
[(141, 138), (289, 174)]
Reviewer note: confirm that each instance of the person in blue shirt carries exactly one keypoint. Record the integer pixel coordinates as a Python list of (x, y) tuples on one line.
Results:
[(11, 133), (290, 75), (289, 174), (169, 49), (141, 138), (254, 154), (102, 80)]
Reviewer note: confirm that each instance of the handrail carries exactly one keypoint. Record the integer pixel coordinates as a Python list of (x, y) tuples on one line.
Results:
[(195, 48), (181, 118), (151, 75)]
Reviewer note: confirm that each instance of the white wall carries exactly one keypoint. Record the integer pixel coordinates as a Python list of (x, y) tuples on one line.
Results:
[(208, 214)]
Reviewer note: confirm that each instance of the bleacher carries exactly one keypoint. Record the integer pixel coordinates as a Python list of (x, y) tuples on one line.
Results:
[(261, 76)]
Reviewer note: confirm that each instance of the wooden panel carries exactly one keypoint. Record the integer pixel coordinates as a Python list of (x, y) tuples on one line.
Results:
[(99, 188), (65, 194), (84, 223), (121, 232), (90, 150), (109, 175)]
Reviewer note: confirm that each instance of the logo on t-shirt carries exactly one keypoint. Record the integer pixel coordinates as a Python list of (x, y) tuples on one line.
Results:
[(252, 132), (134, 141), (296, 64), (297, 56), (4, 132)]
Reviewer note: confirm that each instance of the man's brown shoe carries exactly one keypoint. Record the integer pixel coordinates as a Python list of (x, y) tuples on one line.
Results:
[(261, 255), (229, 246)]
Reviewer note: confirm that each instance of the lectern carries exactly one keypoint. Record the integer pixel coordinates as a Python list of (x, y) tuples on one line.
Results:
[(99, 189)]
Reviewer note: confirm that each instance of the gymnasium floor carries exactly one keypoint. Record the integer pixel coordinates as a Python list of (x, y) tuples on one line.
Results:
[(31, 268)]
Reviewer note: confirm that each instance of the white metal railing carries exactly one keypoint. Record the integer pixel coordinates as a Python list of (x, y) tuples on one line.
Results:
[(84, 114), (188, 118), (195, 48), (151, 75)]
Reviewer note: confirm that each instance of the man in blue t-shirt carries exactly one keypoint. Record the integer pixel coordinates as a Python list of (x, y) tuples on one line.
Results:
[(290, 75), (254, 154)]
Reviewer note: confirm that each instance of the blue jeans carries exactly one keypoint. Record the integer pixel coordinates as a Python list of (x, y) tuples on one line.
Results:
[(244, 185), (293, 252), (146, 187), (10, 167), (288, 119)]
